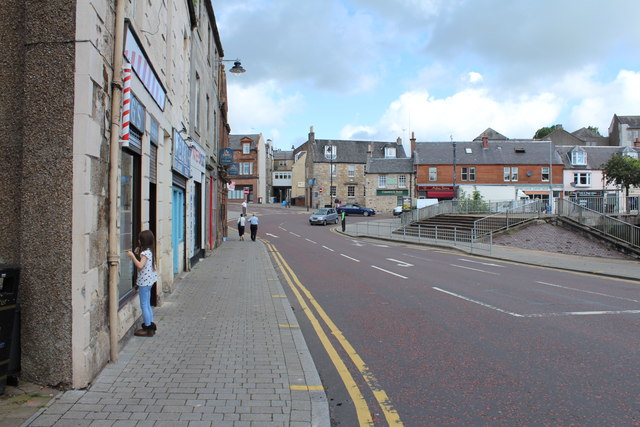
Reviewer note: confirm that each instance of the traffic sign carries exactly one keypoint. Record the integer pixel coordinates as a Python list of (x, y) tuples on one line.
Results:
[(320, 190), (246, 191)]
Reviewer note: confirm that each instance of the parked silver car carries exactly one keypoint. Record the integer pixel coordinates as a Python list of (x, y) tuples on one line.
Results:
[(324, 216)]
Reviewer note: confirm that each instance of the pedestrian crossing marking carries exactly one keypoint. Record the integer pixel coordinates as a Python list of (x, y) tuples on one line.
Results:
[(306, 387)]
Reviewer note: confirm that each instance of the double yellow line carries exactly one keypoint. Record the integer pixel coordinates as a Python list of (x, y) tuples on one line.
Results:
[(362, 408)]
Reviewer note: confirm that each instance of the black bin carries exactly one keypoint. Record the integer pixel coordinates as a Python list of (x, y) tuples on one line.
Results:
[(9, 323)]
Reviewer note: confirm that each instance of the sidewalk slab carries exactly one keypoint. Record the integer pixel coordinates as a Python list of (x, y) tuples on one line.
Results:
[(224, 354)]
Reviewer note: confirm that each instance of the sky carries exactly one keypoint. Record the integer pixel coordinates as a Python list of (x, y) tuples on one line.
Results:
[(442, 69)]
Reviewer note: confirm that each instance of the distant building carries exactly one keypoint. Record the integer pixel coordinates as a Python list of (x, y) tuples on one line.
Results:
[(281, 175), (389, 183), (248, 171), (624, 131), (499, 170), (335, 169)]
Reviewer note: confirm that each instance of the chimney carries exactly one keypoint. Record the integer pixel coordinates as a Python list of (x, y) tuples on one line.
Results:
[(413, 144), (312, 136), (399, 141), (369, 150), (485, 142)]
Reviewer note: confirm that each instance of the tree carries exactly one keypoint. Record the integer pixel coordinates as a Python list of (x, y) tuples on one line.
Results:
[(594, 129), (542, 132), (623, 171)]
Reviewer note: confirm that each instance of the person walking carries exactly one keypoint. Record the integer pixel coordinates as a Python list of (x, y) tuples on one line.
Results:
[(244, 207), (241, 223), (253, 225), (343, 219), (147, 276)]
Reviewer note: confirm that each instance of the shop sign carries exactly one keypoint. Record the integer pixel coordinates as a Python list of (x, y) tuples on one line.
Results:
[(198, 158), (226, 156), (233, 169), (143, 69), (181, 155), (392, 192)]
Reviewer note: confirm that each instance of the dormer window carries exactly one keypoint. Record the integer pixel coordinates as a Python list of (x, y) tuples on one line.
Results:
[(330, 152), (246, 148), (389, 152), (578, 157)]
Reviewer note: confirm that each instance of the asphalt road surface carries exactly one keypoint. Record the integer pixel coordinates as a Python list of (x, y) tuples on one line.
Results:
[(431, 337)]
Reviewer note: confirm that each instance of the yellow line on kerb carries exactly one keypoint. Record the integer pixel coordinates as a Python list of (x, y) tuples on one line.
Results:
[(362, 410), (390, 413)]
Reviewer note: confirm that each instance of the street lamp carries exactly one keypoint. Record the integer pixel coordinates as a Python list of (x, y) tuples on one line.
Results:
[(330, 151), (237, 66)]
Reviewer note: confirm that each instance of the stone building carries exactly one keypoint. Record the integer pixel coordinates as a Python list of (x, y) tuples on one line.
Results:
[(389, 183), (281, 175), (335, 169), (76, 186)]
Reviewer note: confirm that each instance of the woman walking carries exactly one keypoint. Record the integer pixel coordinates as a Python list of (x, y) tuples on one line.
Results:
[(241, 223)]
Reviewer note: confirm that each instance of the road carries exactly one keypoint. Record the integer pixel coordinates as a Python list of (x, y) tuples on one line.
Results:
[(430, 337)]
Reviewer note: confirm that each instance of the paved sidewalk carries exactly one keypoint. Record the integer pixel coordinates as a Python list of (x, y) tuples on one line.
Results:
[(228, 352)]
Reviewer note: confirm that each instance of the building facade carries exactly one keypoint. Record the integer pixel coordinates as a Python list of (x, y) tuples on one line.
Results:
[(108, 135), (248, 171)]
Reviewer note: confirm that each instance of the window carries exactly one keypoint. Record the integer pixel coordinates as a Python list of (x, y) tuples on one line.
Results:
[(351, 191), (330, 152), (402, 181), (581, 179), (351, 171), (510, 174), (282, 163), (246, 148), (433, 174), (468, 174), (578, 158), (545, 174), (332, 191), (382, 181), (389, 152), (246, 168), (197, 102)]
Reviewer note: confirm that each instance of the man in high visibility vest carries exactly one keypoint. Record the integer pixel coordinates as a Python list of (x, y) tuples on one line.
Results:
[(343, 218)]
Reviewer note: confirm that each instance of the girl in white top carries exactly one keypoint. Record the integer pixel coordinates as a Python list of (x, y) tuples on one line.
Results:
[(147, 276)]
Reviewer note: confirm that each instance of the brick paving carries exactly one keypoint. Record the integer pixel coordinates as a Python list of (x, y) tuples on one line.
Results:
[(225, 354)]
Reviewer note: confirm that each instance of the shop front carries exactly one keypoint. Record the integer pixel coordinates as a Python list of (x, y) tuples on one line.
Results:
[(196, 203), (440, 192), (181, 168)]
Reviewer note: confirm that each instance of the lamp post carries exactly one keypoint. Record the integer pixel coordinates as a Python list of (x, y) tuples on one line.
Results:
[(455, 193), (330, 151)]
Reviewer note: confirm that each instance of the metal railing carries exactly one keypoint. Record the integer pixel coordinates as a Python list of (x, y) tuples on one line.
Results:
[(464, 207), (611, 204), (604, 224), (508, 219)]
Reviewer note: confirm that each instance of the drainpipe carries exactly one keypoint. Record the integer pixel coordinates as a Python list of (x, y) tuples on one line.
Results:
[(114, 166)]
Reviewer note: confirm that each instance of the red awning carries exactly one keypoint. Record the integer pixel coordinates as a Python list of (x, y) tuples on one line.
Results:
[(440, 194)]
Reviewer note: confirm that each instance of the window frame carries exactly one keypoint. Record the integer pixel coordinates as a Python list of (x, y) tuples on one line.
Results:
[(246, 148), (433, 174), (402, 181), (542, 174), (382, 181)]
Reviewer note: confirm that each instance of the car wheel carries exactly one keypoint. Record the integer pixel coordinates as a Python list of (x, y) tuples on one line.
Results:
[(365, 213), (335, 221), (324, 222)]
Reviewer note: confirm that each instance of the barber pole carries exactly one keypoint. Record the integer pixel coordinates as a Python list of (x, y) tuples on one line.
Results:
[(126, 103)]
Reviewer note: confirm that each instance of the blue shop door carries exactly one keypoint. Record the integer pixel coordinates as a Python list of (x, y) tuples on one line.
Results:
[(177, 229)]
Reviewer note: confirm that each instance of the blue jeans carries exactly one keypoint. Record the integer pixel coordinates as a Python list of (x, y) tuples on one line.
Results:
[(144, 292)]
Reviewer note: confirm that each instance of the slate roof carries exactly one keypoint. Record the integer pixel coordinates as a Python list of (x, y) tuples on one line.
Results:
[(585, 134), (390, 166), (282, 155), (632, 121), (354, 151), (499, 153), (596, 155), (492, 135), (234, 140)]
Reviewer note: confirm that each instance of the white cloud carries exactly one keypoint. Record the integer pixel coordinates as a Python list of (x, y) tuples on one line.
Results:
[(474, 77), (260, 108), (462, 116)]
